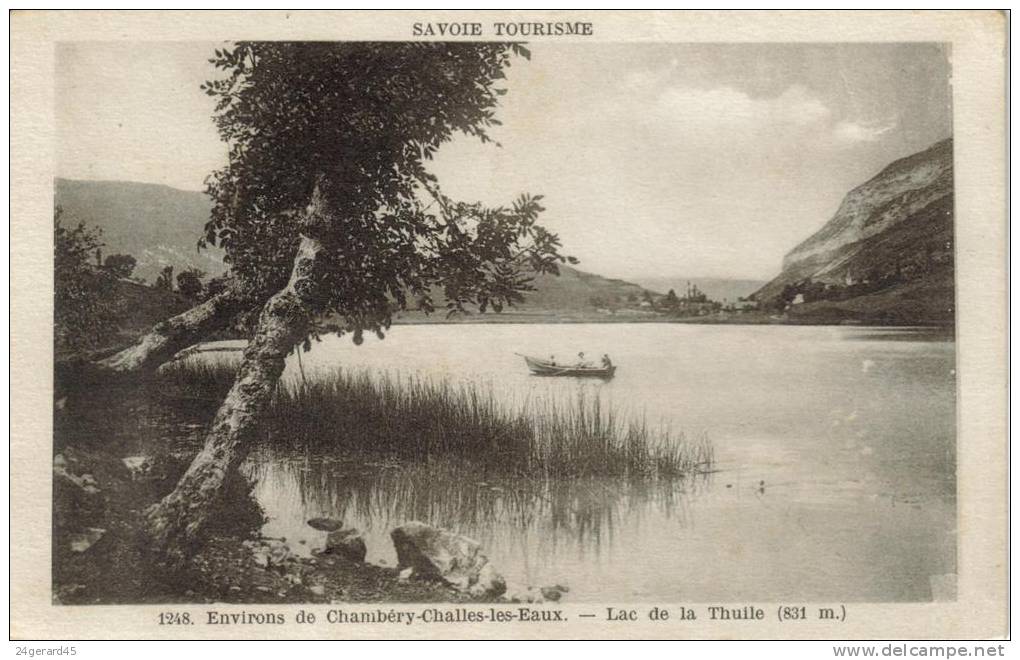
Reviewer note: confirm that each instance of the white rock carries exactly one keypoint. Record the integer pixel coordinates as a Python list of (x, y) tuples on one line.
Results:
[(138, 466), (437, 553), (82, 541)]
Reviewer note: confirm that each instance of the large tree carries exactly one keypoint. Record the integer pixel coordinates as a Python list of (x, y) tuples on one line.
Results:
[(327, 207)]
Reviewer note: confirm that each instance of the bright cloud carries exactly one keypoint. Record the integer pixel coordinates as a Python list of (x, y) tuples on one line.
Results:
[(732, 108), (851, 132), (728, 113)]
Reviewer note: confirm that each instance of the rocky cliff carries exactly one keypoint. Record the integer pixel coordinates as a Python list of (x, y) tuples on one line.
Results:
[(886, 255)]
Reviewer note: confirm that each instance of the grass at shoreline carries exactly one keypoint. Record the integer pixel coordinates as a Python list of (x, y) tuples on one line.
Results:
[(422, 419)]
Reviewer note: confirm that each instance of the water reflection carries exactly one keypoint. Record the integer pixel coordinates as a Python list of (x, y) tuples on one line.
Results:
[(530, 518)]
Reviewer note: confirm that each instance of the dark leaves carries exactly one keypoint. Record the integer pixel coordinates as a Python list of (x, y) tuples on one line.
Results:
[(364, 119), (86, 307)]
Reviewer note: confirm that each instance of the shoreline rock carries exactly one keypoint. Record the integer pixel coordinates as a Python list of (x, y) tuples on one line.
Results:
[(435, 553), (347, 542), (270, 553), (326, 524), (138, 467), (78, 501), (84, 540)]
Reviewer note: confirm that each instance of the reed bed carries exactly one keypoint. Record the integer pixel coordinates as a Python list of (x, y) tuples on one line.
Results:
[(418, 418)]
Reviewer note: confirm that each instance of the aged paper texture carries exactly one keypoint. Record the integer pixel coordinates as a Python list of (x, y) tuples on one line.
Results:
[(508, 325)]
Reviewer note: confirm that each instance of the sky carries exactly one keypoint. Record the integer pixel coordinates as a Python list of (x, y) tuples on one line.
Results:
[(655, 160)]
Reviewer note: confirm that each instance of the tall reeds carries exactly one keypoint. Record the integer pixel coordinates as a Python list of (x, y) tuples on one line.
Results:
[(418, 418)]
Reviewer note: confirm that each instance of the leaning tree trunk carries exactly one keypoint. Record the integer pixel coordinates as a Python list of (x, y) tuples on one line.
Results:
[(175, 524), (177, 333)]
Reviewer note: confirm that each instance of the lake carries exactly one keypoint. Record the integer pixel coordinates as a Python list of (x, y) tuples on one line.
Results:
[(834, 476)]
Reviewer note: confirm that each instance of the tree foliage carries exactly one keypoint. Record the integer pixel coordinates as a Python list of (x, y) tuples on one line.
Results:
[(85, 307), (215, 285), (165, 280), (189, 282), (120, 265), (361, 121)]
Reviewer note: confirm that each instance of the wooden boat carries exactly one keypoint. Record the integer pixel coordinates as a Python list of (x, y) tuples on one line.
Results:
[(546, 368)]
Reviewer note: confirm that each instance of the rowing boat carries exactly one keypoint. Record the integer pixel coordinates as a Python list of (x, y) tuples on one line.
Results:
[(546, 368)]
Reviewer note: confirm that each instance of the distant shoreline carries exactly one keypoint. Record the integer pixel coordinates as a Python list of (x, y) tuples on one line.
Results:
[(511, 318)]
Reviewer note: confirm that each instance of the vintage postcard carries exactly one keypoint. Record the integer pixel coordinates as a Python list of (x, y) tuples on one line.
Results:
[(508, 325)]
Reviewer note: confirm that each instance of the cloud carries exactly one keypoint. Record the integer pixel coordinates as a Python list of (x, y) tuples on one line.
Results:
[(730, 114), (853, 132), (719, 107), (798, 106), (727, 114)]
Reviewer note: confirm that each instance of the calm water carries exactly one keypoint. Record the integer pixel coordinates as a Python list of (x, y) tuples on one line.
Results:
[(834, 448)]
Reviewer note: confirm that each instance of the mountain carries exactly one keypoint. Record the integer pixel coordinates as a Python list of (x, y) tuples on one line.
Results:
[(157, 225), (160, 226), (716, 288), (575, 289), (886, 256)]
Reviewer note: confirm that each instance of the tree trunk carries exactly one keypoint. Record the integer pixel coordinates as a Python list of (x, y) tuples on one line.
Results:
[(177, 333), (175, 524)]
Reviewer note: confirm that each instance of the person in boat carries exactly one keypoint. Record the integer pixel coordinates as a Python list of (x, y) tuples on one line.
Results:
[(606, 362), (581, 362), (552, 360)]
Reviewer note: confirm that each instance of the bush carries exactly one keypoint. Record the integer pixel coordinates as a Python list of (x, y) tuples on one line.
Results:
[(85, 306)]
